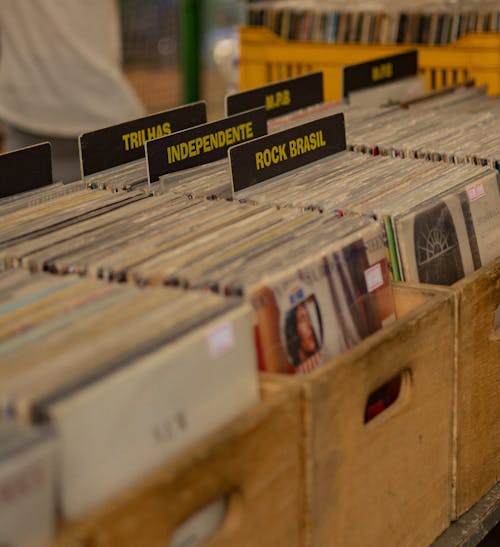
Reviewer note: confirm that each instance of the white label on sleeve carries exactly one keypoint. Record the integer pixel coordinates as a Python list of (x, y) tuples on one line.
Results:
[(221, 340), (476, 192), (373, 277)]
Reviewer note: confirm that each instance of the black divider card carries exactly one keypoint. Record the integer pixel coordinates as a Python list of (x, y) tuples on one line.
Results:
[(25, 169), (279, 98), (379, 71), (203, 144), (276, 154), (123, 143)]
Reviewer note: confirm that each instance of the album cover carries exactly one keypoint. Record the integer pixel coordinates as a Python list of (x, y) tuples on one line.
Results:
[(308, 316), (449, 237)]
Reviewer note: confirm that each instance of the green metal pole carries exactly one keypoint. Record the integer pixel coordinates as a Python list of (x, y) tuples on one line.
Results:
[(190, 23)]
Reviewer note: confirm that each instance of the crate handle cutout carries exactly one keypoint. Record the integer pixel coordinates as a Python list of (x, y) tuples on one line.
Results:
[(200, 527), (392, 394), (495, 335)]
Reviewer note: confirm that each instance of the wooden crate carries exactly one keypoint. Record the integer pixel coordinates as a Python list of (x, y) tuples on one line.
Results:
[(304, 469), (386, 482), (256, 461), (477, 430)]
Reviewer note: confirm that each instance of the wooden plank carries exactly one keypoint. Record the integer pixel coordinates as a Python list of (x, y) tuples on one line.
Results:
[(367, 482), (474, 525), (384, 473), (256, 462), (408, 297), (478, 387)]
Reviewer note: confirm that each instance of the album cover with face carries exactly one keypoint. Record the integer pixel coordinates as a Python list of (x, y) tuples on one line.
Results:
[(307, 316), (297, 327)]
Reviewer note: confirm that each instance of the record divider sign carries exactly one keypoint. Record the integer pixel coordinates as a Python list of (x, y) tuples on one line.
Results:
[(276, 154), (25, 169), (379, 72), (279, 98), (124, 143), (203, 144)]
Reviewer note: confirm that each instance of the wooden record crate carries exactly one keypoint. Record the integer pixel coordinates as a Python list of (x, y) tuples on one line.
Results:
[(265, 58), (304, 469), (476, 430), (387, 481), (477, 388), (256, 462)]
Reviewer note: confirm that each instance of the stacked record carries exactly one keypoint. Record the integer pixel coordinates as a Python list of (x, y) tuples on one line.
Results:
[(114, 370), (128, 177), (57, 331), (381, 22), (442, 221), (388, 189), (27, 483), (21, 221), (16, 202), (228, 247), (457, 126)]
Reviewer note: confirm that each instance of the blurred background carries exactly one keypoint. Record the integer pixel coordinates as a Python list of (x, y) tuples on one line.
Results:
[(177, 51)]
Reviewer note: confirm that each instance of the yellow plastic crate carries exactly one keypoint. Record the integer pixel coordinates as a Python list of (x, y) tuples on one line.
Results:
[(265, 57)]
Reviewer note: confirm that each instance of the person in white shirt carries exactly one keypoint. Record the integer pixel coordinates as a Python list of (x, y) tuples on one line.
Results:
[(61, 75)]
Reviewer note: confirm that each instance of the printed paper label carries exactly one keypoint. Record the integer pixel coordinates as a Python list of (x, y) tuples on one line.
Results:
[(476, 192), (374, 278), (221, 340)]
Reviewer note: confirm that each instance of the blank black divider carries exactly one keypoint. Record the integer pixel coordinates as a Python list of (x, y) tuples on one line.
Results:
[(25, 169)]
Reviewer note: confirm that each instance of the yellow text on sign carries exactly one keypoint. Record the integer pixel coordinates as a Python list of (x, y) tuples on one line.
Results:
[(277, 99), (136, 139), (384, 71), (308, 143), (209, 142), (295, 147)]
